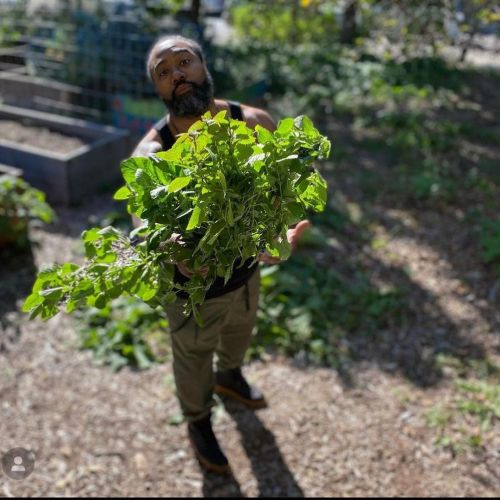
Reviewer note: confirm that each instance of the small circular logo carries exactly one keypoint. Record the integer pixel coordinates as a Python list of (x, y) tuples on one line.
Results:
[(18, 463)]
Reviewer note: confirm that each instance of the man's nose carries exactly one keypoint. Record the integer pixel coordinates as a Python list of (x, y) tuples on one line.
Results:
[(177, 76)]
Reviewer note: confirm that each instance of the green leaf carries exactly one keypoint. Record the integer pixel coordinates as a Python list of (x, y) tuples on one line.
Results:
[(281, 249), (195, 219), (313, 192), (257, 158), (306, 125), (122, 194), (172, 155), (115, 292), (176, 419), (129, 167), (110, 233), (297, 212), (143, 361), (100, 301), (229, 215), (37, 311), (98, 268), (138, 231), (107, 258), (178, 184), (91, 235), (70, 306), (263, 134), (32, 301), (52, 293), (82, 290), (215, 230), (69, 268), (222, 179), (284, 127), (145, 291), (220, 117)]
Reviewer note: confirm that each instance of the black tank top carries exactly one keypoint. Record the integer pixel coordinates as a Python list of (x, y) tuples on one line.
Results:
[(241, 274)]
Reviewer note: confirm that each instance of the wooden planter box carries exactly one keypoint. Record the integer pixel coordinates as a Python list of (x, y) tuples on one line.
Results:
[(67, 178)]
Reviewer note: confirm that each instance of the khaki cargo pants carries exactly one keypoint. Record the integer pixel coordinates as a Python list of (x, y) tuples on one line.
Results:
[(228, 324)]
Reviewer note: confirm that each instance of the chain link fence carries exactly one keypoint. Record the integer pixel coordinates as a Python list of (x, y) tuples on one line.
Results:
[(83, 59)]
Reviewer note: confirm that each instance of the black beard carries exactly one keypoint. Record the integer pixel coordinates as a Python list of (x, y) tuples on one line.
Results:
[(193, 103)]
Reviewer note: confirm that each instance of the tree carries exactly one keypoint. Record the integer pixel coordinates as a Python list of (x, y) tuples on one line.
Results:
[(473, 16), (349, 31)]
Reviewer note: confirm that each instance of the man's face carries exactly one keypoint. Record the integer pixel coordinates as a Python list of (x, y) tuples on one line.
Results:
[(181, 79)]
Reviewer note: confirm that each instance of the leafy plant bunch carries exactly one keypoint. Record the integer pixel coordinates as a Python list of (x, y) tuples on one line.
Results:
[(20, 203), (229, 191)]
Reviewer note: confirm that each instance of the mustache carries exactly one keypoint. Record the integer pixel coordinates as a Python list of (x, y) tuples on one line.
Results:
[(193, 103), (182, 82)]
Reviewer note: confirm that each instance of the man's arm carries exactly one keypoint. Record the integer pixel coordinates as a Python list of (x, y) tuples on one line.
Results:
[(150, 143), (256, 116)]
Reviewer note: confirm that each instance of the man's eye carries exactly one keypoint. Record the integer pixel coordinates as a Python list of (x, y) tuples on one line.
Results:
[(185, 61), (163, 72)]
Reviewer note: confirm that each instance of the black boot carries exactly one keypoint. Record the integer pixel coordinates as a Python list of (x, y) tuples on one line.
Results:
[(206, 447), (232, 383)]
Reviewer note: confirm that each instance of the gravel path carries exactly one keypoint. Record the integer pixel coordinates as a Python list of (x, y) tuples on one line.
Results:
[(97, 433)]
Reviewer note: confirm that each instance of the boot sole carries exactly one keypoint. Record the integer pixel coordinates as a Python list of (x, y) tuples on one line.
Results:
[(206, 464), (253, 405)]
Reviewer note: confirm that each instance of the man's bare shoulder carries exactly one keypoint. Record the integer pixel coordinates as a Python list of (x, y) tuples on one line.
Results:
[(150, 143), (256, 116)]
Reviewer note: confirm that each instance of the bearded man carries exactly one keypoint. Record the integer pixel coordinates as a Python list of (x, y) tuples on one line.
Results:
[(177, 69)]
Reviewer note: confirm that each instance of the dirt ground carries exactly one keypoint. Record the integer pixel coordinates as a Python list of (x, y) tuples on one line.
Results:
[(39, 137), (97, 433)]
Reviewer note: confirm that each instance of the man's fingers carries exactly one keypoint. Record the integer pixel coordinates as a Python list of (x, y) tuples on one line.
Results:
[(184, 270), (188, 272), (294, 234), (267, 259), (301, 227)]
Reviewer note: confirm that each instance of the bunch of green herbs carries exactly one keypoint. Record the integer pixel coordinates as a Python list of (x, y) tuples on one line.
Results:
[(229, 191)]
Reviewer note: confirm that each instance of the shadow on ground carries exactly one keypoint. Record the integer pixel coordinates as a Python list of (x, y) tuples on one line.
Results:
[(273, 476), (17, 274), (445, 191)]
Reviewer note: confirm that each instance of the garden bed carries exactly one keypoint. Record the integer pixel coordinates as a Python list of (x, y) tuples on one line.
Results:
[(66, 158), (39, 137)]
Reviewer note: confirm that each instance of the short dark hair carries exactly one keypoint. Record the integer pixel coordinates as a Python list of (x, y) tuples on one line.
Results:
[(173, 38)]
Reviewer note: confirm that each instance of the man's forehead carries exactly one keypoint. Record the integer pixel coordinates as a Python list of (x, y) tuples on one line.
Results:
[(167, 47)]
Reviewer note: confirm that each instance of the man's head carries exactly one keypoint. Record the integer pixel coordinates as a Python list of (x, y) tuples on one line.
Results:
[(177, 68)]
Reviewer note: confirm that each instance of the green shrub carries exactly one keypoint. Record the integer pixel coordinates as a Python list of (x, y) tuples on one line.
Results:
[(124, 332), (309, 310), (20, 203), (489, 234)]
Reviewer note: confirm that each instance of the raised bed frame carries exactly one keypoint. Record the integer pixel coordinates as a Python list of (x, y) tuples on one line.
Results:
[(67, 178)]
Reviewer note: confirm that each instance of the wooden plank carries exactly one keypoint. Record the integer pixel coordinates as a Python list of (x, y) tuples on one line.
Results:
[(8, 170)]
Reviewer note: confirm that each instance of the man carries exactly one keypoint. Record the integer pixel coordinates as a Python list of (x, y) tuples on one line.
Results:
[(177, 68)]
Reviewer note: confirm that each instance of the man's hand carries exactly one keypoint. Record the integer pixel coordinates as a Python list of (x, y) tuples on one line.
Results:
[(186, 271), (176, 239), (293, 236)]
